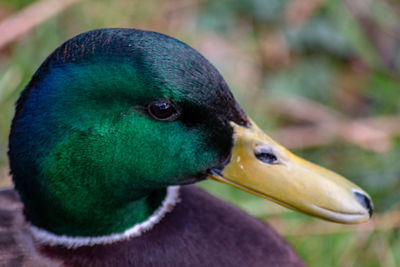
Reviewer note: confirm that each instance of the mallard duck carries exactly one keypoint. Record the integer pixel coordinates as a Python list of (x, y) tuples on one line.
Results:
[(107, 137)]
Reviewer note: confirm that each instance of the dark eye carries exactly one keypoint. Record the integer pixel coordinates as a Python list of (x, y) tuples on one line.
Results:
[(266, 156), (163, 111)]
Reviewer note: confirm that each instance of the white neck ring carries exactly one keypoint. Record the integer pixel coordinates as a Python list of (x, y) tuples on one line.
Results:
[(48, 238)]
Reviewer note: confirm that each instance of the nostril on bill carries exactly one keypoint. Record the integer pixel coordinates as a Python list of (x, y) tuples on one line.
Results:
[(266, 156), (365, 201)]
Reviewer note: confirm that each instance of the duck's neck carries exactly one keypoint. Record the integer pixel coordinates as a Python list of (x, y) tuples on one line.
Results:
[(120, 224)]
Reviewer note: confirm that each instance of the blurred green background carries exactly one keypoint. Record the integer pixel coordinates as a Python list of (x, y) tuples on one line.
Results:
[(322, 77)]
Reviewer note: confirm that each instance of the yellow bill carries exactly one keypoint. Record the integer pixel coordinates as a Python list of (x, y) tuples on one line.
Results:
[(261, 166)]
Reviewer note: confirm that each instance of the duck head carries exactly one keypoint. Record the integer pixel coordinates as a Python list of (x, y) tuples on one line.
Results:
[(114, 116)]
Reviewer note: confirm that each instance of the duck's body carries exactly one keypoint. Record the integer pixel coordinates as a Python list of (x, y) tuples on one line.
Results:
[(109, 124), (185, 237)]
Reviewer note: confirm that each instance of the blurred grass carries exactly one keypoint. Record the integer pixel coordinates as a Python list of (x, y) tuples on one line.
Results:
[(316, 50)]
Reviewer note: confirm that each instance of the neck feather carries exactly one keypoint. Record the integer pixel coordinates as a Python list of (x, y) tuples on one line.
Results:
[(47, 238)]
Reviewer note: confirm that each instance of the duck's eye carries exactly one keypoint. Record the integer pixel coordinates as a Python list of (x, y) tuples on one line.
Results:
[(266, 156), (163, 111)]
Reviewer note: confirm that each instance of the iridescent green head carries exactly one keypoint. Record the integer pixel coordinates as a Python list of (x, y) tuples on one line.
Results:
[(110, 118), (114, 116)]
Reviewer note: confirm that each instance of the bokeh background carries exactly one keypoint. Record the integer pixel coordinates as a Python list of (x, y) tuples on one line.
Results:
[(322, 77)]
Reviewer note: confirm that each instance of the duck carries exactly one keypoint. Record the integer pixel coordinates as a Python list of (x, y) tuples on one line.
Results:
[(108, 138)]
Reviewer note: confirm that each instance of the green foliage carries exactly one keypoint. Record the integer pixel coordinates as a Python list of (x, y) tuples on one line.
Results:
[(16, 4), (223, 15), (319, 35), (384, 94), (313, 79)]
